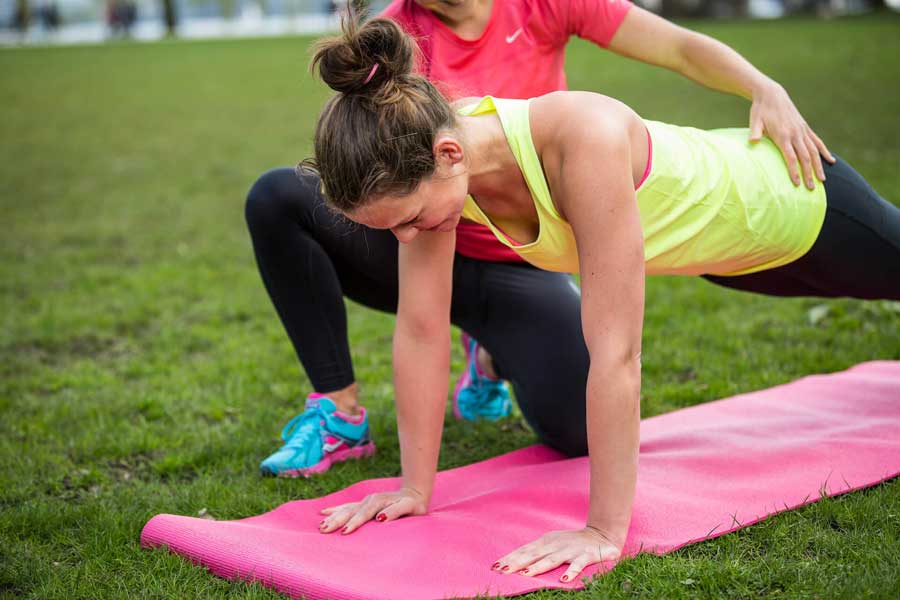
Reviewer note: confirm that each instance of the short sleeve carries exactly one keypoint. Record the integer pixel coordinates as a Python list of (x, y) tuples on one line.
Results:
[(595, 20)]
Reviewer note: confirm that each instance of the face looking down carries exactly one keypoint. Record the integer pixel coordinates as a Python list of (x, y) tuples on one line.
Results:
[(435, 205)]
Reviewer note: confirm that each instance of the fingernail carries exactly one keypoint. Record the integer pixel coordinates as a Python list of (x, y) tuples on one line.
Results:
[(524, 571), (564, 578), (495, 565), (381, 518), (505, 568)]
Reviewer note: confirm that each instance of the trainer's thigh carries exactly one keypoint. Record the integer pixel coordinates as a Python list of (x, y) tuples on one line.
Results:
[(288, 213), (530, 322)]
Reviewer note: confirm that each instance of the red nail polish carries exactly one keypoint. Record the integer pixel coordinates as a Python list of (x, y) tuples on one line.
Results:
[(505, 568), (495, 565), (381, 518), (565, 578)]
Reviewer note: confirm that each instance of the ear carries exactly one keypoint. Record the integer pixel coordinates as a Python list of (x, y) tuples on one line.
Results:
[(448, 151)]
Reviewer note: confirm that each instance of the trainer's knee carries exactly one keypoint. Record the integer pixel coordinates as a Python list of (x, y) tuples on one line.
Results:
[(572, 443), (277, 195), (562, 427)]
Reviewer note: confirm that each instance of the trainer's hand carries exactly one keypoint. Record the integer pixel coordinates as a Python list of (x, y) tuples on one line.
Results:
[(579, 549), (774, 114), (385, 506)]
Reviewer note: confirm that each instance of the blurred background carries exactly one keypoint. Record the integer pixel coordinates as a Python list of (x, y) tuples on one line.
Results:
[(80, 21)]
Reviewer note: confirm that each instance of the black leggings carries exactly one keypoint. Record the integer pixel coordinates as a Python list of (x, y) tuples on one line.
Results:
[(528, 319)]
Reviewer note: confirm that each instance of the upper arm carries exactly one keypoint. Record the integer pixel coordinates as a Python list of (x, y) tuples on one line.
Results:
[(649, 38), (598, 199), (425, 279)]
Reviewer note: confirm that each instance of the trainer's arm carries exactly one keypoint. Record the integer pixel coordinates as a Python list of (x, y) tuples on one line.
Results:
[(422, 354), (654, 40), (603, 212)]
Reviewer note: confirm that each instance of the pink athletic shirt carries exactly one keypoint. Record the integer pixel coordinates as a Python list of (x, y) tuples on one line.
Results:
[(519, 55)]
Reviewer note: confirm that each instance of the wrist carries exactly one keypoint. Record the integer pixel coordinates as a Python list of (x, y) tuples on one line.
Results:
[(762, 87), (608, 536), (418, 491)]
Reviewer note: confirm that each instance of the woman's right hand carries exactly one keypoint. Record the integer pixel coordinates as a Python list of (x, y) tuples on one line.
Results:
[(384, 506)]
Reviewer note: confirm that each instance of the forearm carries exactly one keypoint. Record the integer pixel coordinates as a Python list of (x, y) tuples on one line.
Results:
[(613, 421), (421, 368), (719, 67)]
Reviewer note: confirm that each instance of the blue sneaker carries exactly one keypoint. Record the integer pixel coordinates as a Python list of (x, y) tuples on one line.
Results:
[(319, 437), (476, 395)]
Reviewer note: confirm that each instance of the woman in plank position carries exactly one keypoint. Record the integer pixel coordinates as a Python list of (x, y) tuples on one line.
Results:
[(572, 182), (526, 321)]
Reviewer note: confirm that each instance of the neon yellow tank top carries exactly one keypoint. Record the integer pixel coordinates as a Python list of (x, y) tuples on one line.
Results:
[(711, 204)]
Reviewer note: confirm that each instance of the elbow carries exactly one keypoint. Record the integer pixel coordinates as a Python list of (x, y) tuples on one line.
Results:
[(421, 327), (626, 357), (630, 363), (619, 369)]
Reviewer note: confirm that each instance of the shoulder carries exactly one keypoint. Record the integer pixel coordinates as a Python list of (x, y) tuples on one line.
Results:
[(397, 9), (410, 16), (461, 102), (584, 142), (562, 122)]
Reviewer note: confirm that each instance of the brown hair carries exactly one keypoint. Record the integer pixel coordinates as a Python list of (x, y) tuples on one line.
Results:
[(375, 136)]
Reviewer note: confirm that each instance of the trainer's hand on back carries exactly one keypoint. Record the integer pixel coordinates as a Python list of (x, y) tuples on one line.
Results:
[(384, 506), (580, 549), (773, 113)]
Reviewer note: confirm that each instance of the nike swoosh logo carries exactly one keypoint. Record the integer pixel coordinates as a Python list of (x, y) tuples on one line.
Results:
[(511, 38), (332, 447)]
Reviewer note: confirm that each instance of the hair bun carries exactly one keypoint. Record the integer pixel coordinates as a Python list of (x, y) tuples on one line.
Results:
[(347, 63)]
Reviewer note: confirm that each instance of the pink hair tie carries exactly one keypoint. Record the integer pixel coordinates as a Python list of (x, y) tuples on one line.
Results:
[(371, 73)]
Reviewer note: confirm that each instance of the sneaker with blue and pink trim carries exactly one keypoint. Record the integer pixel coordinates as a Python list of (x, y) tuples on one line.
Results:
[(477, 396), (319, 437)]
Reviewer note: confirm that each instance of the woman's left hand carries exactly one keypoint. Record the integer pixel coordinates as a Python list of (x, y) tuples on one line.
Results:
[(579, 549), (773, 113), (383, 506)]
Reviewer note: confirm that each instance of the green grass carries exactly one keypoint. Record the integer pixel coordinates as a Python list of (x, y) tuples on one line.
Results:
[(143, 369)]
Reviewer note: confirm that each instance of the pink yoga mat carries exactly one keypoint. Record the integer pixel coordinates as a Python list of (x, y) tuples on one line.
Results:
[(704, 471)]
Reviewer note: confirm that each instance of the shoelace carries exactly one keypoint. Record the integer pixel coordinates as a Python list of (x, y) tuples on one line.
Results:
[(486, 393), (301, 428), (483, 382)]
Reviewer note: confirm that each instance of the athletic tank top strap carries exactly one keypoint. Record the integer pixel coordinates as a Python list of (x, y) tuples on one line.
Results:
[(554, 248)]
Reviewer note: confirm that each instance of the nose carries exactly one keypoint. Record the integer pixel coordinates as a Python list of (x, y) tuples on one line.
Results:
[(405, 233)]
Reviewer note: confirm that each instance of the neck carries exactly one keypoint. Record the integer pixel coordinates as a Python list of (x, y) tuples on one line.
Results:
[(492, 166), (465, 18)]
